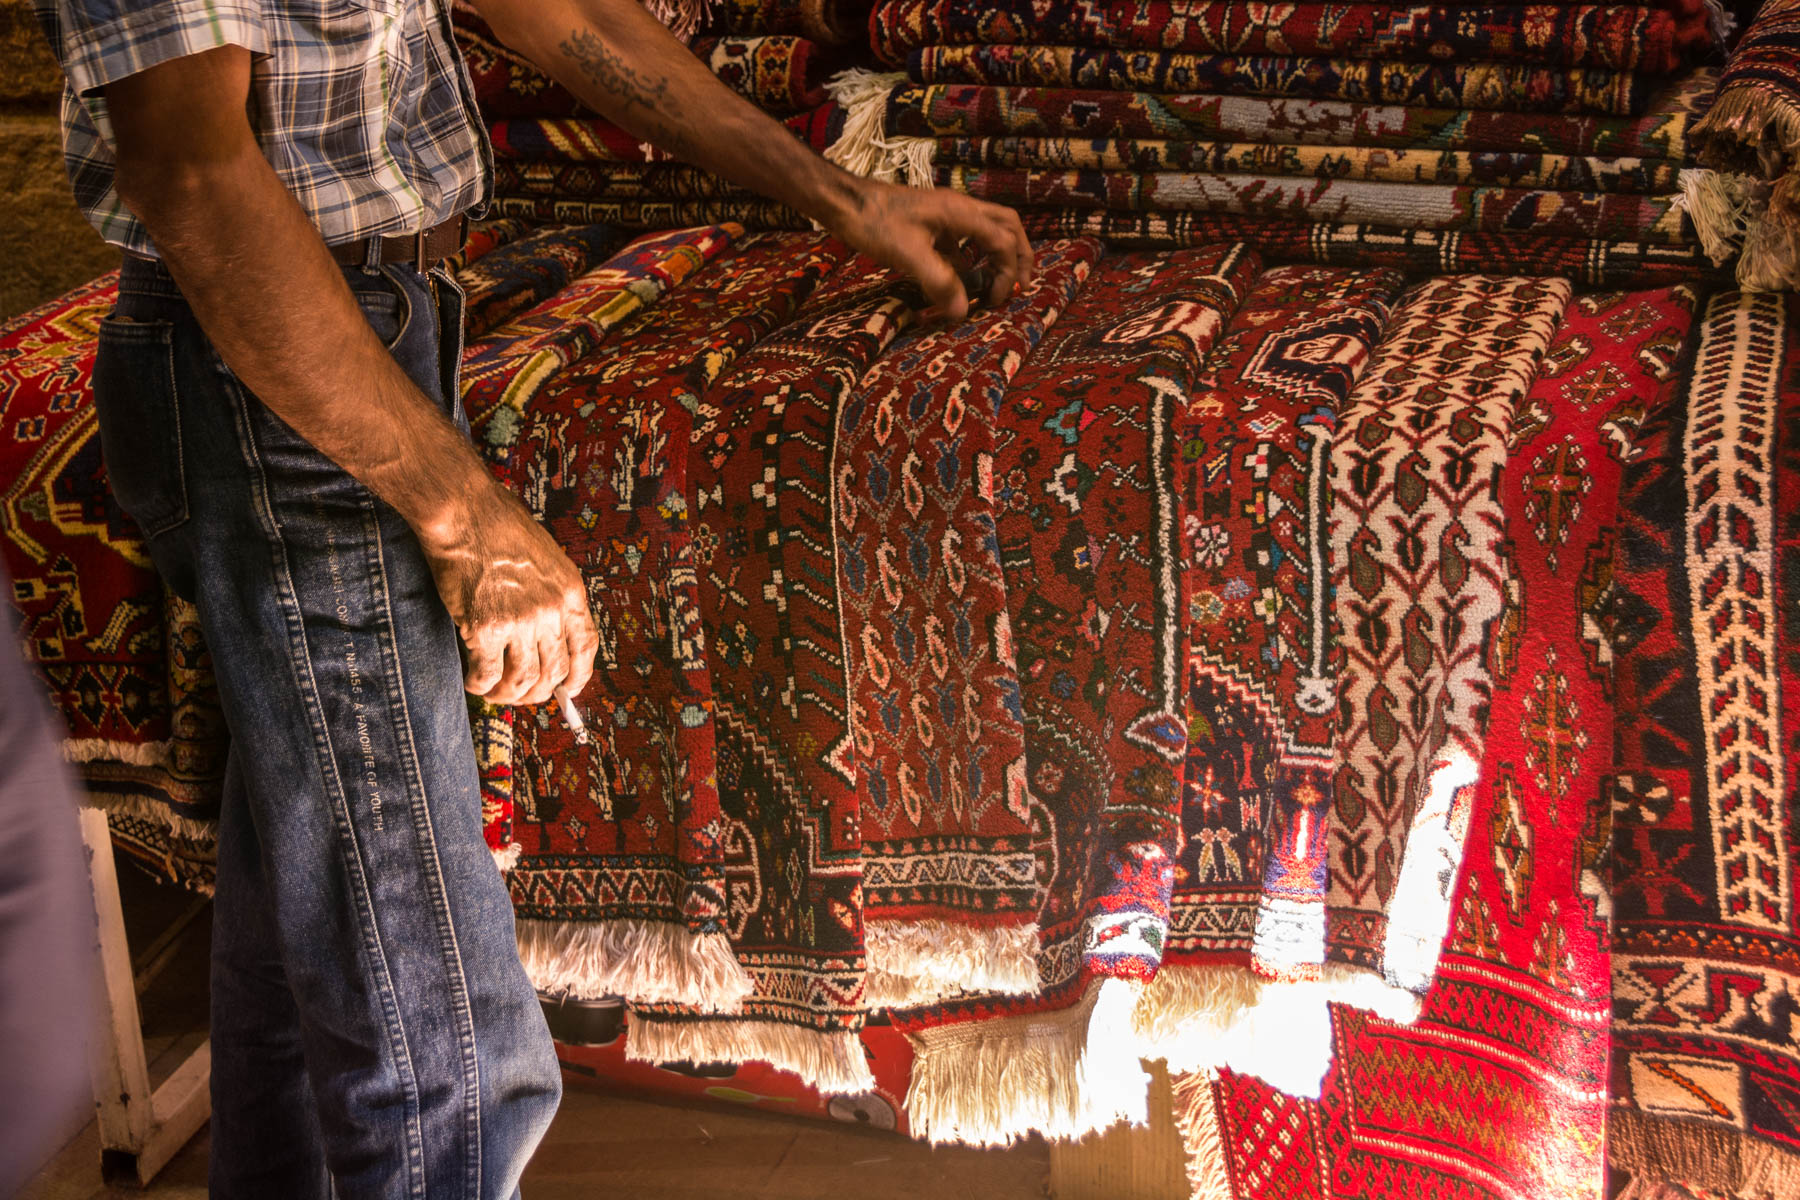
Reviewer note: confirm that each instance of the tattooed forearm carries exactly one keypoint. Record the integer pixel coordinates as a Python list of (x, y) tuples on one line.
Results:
[(616, 77)]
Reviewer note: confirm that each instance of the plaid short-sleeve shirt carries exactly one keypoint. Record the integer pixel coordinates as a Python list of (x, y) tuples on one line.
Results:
[(363, 107)]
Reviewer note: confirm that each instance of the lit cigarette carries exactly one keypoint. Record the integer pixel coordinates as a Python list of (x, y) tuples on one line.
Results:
[(572, 715)]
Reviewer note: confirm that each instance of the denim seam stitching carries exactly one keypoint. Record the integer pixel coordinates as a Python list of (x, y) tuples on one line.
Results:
[(406, 306), (431, 861), (180, 442), (308, 688)]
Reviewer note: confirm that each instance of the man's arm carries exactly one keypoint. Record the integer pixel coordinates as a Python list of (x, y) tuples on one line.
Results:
[(623, 64), (276, 306)]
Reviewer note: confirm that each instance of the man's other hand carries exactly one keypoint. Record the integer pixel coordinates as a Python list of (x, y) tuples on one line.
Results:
[(517, 600), (920, 232)]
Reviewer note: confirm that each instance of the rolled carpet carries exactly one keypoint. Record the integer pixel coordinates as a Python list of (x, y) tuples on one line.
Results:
[(978, 110), (1373, 164), (779, 73), (827, 22), (1612, 217), (611, 181), (1753, 128), (1620, 37), (1415, 251), (750, 212), (1514, 87), (597, 140)]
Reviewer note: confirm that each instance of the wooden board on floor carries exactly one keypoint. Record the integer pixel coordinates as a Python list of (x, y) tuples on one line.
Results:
[(1125, 1164)]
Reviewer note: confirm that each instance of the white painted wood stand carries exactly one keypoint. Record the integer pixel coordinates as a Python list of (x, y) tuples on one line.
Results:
[(140, 1128)]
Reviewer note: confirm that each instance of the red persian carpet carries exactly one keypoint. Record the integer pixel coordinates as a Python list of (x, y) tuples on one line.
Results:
[(1499, 1089), (1706, 959)]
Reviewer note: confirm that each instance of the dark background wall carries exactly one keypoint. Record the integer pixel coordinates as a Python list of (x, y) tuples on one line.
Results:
[(45, 246)]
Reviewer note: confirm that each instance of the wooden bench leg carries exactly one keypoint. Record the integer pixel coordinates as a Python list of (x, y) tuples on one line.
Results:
[(140, 1128)]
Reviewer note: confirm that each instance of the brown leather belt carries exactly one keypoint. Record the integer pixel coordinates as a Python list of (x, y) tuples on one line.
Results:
[(418, 250)]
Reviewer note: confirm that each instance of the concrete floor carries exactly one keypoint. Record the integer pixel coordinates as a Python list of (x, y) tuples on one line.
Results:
[(602, 1144), (605, 1145)]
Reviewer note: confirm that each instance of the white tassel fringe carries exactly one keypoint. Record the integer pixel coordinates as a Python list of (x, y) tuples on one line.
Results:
[(831, 1062), (649, 962)]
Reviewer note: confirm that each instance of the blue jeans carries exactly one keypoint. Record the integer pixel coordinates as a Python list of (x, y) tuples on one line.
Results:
[(372, 1028)]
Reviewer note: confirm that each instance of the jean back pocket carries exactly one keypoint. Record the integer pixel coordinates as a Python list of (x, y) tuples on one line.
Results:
[(140, 422)]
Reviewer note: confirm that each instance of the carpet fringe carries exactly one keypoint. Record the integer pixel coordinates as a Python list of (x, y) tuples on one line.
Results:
[(1203, 1143), (1743, 123), (920, 962), (832, 1062), (1209, 1018), (1193, 1006), (1359, 987), (154, 812), (1698, 1154), (136, 754), (1722, 206), (1720, 22), (683, 18), (1065, 1074), (649, 962), (863, 147), (1771, 258)]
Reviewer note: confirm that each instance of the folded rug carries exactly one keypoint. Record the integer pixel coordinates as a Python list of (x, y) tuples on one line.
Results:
[(1421, 580), (950, 878), (1416, 251), (622, 886), (1370, 164), (1706, 1074), (779, 72), (506, 83), (790, 778), (1597, 215), (1500, 1087), (1754, 128), (1574, 35), (1513, 87), (559, 182), (749, 211), (1260, 674), (528, 270), (827, 22), (975, 110), (500, 374), (597, 140), (1088, 536)]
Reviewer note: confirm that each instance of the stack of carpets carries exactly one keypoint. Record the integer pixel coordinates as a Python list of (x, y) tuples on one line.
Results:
[(1546, 138), (557, 162)]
